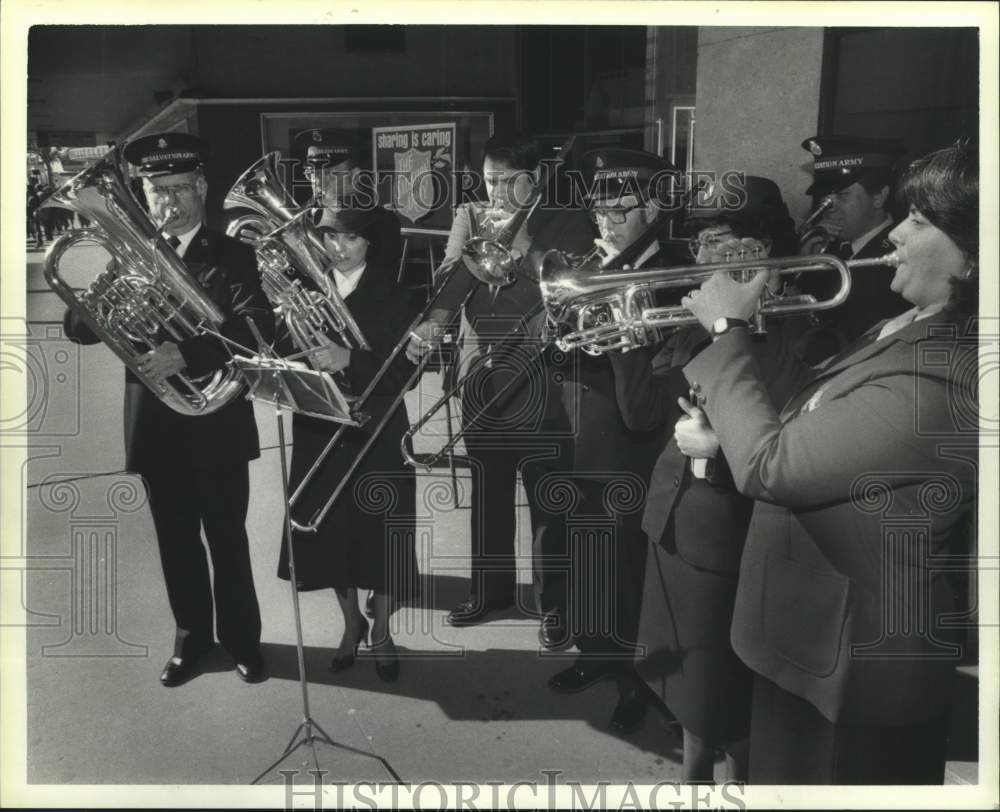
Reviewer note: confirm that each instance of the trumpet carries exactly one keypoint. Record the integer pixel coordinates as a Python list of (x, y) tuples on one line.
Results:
[(615, 312)]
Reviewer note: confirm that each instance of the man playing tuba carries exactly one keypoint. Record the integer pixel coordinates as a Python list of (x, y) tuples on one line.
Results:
[(196, 467)]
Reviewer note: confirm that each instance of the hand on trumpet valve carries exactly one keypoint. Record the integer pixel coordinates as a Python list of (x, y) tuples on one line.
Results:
[(331, 357), (423, 338), (721, 296), (693, 434), (161, 363), (734, 249)]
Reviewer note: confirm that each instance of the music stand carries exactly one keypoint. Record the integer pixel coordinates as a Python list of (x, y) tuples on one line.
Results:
[(293, 387)]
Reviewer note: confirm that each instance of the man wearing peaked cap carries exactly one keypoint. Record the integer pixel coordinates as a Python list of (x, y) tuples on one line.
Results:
[(627, 191), (166, 154), (334, 166), (195, 468), (857, 176)]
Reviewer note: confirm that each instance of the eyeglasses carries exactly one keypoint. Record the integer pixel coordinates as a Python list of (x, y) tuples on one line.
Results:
[(617, 215), (168, 191), (709, 241)]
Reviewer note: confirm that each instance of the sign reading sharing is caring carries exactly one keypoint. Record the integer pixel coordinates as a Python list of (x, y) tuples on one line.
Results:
[(414, 166)]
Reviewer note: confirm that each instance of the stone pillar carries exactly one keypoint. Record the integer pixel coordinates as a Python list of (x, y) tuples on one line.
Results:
[(758, 94)]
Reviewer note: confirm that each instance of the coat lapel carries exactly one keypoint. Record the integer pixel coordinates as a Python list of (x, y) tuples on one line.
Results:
[(810, 396)]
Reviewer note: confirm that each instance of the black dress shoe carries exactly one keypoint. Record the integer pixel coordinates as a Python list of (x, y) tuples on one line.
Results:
[(388, 670), (251, 669), (473, 611), (341, 662), (553, 634), (580, 676), (629, 712), (177, 671)]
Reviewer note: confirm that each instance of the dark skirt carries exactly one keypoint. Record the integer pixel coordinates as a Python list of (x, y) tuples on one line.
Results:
[(684, 625), (367, 540)]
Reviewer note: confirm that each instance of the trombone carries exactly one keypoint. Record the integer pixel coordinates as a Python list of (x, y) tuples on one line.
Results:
[(615, 312), (490, 260)]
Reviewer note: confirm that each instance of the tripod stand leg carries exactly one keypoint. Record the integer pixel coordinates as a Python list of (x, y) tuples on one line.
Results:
[(304, 735)]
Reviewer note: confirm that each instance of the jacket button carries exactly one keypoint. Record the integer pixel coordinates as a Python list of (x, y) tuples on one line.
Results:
[(677, 482)]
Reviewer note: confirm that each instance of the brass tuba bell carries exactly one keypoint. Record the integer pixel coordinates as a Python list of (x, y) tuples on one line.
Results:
[(145, 295)]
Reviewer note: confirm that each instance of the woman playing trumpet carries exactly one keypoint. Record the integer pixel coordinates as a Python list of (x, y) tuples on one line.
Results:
[(694, 518), (839, 607)]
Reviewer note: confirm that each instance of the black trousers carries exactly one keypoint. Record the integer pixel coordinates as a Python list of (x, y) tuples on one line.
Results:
[(608, 552), (793, 743), (182, 503)]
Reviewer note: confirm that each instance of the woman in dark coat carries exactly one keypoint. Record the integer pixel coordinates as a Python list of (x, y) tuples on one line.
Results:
[(694, 518), (366, 540)]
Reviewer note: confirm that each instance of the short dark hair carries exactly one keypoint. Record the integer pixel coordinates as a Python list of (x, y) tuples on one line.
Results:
[(514, 149), (944, 187)]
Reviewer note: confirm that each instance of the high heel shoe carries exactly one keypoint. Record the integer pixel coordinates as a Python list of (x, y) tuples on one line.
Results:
[(342, 662), (388, 671)]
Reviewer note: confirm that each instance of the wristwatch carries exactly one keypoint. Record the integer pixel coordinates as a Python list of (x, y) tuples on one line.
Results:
[(722, 326)]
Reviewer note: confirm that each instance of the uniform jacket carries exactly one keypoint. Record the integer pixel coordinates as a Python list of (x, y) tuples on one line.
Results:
[(606, 441), (158, 438), (648, 383), (862, 477), (495, 312)]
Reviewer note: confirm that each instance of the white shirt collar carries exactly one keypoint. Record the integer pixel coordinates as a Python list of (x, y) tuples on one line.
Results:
[(347, 282), (185, 239), (861, 241), (907, 318)]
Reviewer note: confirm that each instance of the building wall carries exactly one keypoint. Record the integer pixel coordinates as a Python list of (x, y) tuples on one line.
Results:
[(102, 79), (757, 97)]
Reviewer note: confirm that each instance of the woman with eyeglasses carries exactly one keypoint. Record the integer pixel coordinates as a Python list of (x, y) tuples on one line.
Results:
[(864, 474), (367, 539), (694, 518)]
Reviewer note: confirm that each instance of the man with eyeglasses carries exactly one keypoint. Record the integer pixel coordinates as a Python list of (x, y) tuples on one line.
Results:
[(630, 198), (196, 468), (525, 428), (333, 166)]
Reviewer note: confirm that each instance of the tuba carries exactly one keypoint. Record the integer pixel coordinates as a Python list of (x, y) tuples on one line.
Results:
[(289, 248), (145, 293)]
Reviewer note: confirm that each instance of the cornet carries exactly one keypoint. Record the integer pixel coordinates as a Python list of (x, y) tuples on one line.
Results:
[(808, 232), (614, 312)]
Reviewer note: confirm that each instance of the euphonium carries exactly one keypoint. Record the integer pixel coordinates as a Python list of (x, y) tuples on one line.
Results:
[(146, 294), (289, 246), (260, 190), (573, 298)]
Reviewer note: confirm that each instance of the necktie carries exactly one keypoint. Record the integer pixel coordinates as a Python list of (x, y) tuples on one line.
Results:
[(845, 250), (173, 241)]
